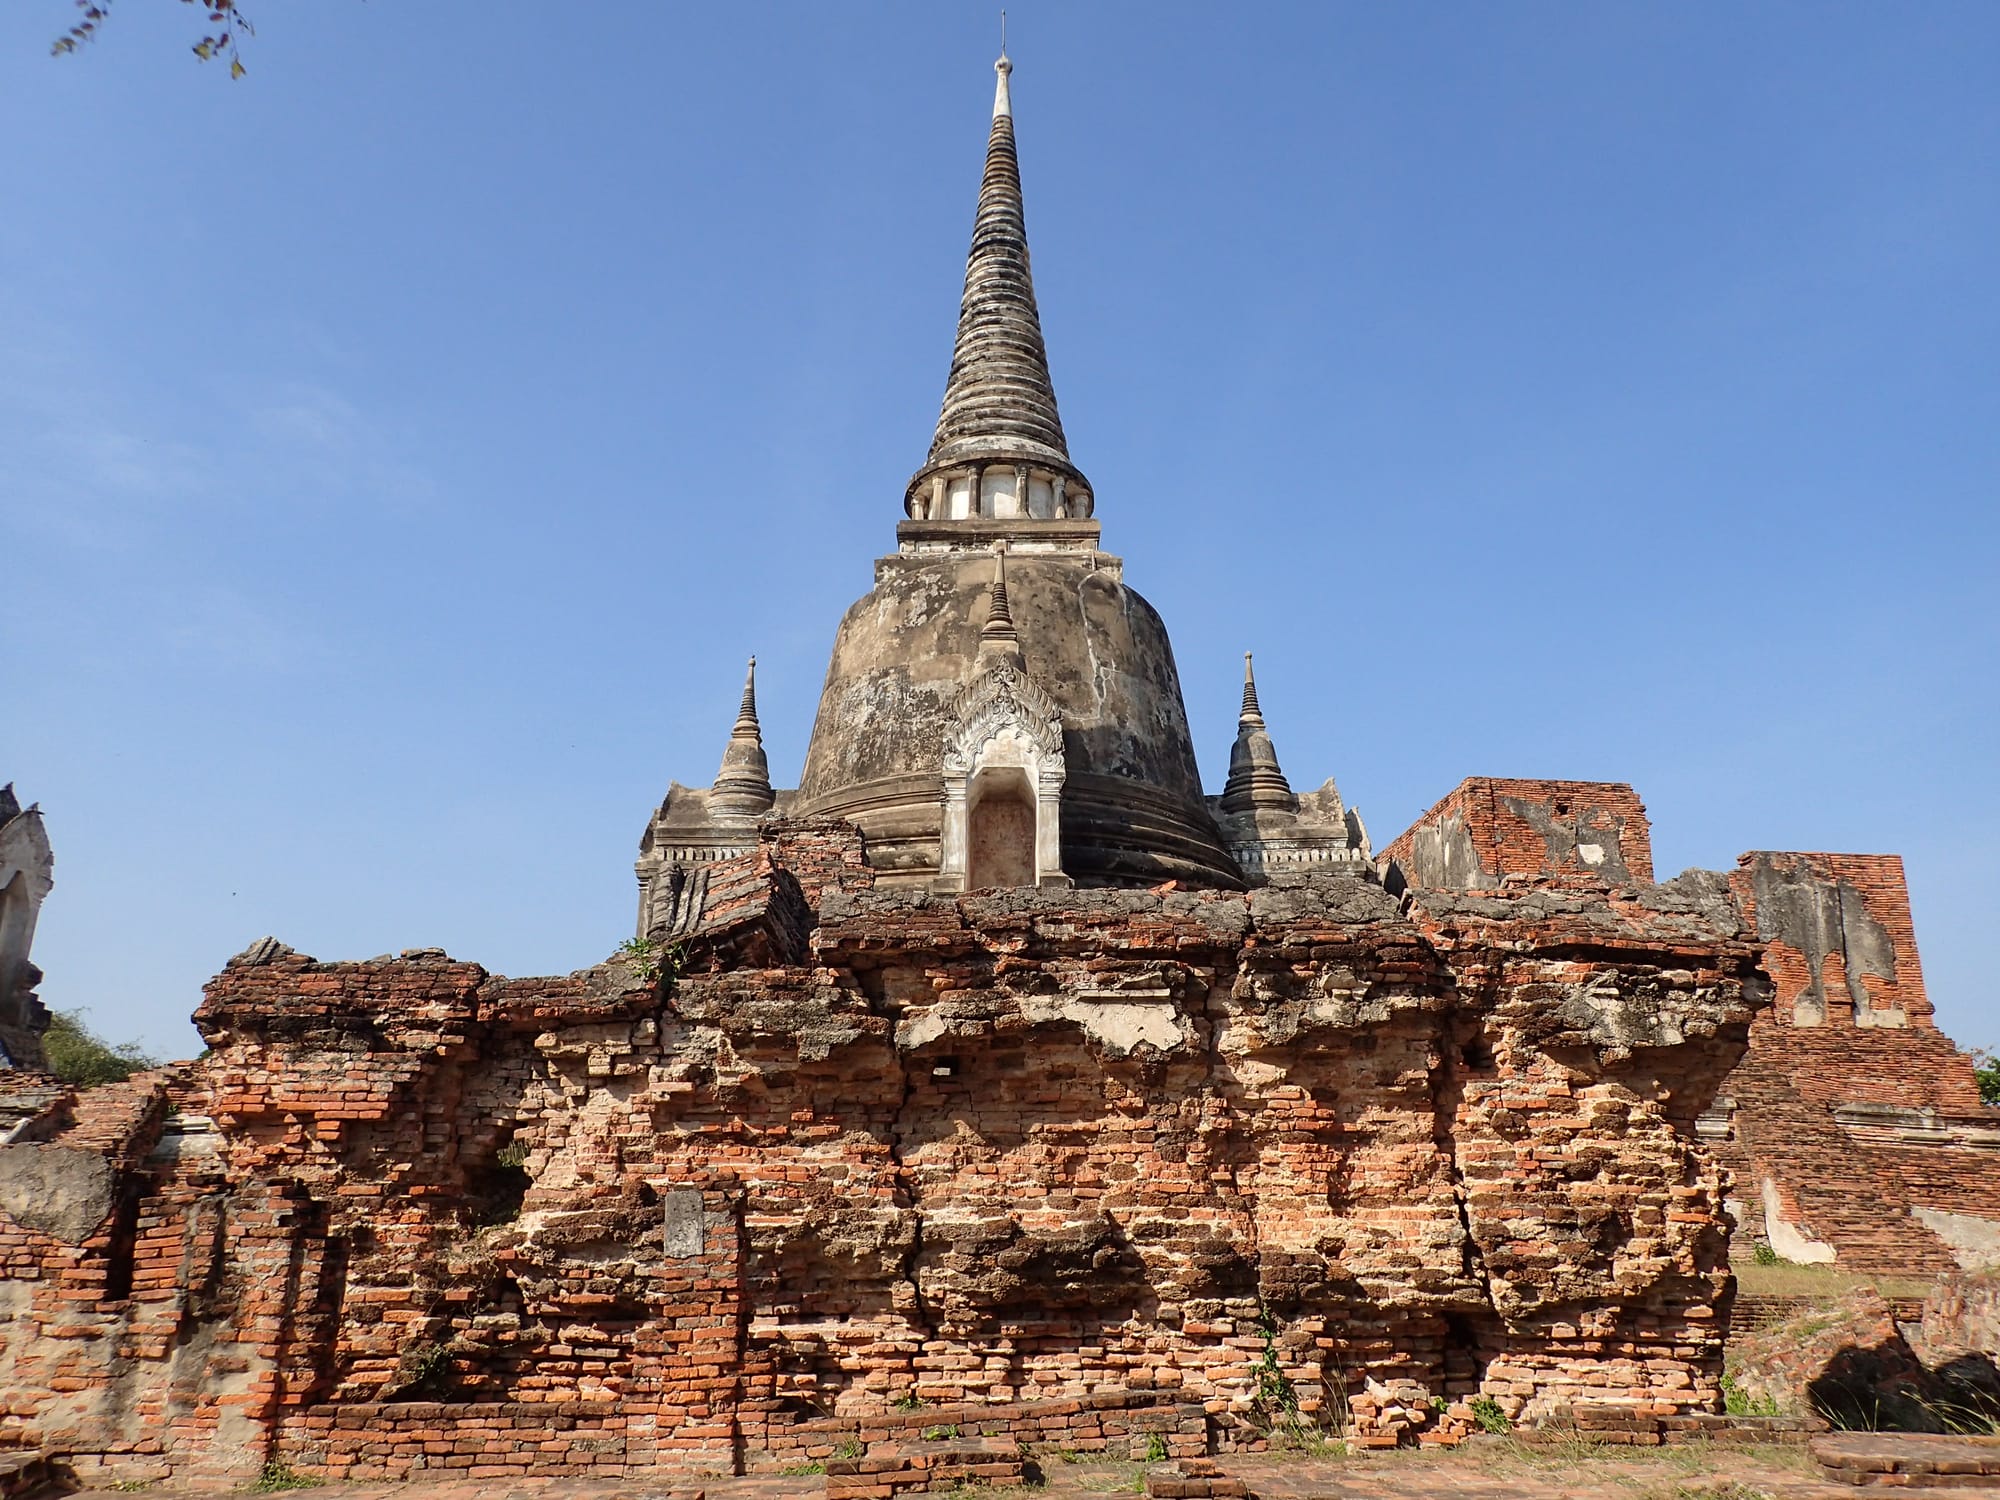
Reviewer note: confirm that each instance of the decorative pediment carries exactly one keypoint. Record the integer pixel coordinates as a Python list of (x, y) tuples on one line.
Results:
[(1001, 699)]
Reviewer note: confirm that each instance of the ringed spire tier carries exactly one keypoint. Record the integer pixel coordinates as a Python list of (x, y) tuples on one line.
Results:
[(999, 454)]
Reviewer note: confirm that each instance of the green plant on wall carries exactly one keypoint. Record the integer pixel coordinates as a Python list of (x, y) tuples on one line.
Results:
[(1487, 1413), (655, 963), (1986, 1068), (1738, 1402), (643, 954), (279, 1475), (1275, 1395), (425, 1369)]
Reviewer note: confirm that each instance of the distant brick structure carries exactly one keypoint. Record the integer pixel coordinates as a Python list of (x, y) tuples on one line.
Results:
[(1853, 1126), (1489, 828)]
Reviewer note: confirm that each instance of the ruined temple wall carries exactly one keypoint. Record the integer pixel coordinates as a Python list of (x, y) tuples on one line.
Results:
[(1852, 1127), (1280, 1157), (1488, 828), (1577, 1179), (1855, 1126), (145, 1295), (1839, 941)]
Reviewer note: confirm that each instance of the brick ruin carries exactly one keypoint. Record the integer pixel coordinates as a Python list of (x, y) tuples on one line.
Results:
[(1853, 1127), (1234, 1155), (995, 1081)]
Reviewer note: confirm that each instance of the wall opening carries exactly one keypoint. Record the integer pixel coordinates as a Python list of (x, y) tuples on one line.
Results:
[(1000, 829)]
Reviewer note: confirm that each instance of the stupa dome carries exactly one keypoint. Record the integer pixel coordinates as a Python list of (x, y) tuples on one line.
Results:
[(1131, 804)]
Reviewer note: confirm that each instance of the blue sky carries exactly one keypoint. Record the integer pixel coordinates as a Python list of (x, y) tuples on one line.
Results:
[(401, 448)]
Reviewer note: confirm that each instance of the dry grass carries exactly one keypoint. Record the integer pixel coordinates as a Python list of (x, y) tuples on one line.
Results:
[(1568, 1466), (1663, 1471), (1787, 1280)]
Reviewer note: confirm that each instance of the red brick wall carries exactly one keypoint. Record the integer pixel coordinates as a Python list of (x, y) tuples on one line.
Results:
[(1822, 913), (1529, 828), (1829, 924), (1004, 1150)]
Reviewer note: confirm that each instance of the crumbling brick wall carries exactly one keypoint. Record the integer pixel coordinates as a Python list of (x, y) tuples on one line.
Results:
[(1853, 1127), (1490, 828), (1291, 1156)]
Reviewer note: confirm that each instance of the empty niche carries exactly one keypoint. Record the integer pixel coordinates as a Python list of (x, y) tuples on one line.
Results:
[(1000, 842)]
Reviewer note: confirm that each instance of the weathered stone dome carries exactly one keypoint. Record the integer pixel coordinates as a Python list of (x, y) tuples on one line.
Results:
[(1132, 810)]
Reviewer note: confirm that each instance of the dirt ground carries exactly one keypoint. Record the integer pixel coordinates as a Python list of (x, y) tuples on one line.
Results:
[(1496, 1470)]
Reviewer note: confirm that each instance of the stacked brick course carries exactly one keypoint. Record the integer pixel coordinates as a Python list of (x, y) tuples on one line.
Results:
[(1103, 1166)]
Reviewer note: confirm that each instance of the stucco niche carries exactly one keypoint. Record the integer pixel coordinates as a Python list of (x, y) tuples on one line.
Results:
[(1002, 786)]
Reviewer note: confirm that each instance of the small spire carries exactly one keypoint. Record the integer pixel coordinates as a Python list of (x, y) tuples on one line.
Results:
[(1251, 714), (1003, 104), (746, 715), (997, 635), (1256, 781), (743, 784)]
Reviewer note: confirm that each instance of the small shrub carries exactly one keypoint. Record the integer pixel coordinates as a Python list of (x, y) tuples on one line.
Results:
[(279, 1475), (1487, 1413), (849, 1448), (651, 962), (1156, 1448), (643, 954), (1986, 1068), (800, 1470), (498, 1191), (1764, 1255), (424, 1370), (77, 1055), (910, 1401), (938, 1434), (1740, 1403)]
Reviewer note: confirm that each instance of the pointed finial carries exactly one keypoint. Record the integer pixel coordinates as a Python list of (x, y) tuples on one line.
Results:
[(1003, 103), (999, 615), (1251, 714), (746, 715)]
